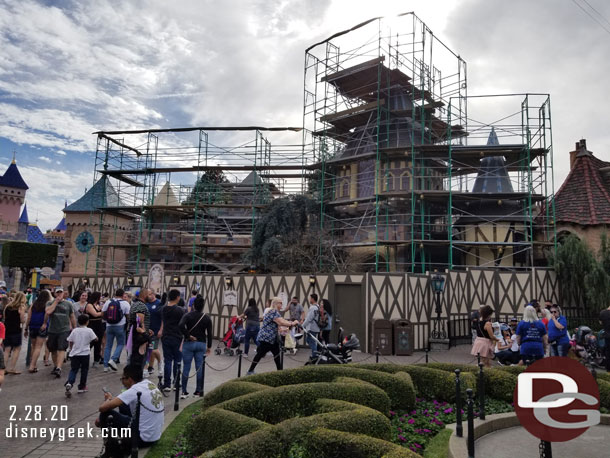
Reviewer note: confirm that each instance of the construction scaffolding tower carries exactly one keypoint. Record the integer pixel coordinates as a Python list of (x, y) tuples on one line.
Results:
[(413, 173)]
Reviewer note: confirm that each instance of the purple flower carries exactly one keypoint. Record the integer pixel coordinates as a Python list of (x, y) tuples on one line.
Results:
[(413, 412), (400, 430), (416, 445), (392, 413), (426, 430), (435, 402), (401, 438), (449, 410), (411, 421)]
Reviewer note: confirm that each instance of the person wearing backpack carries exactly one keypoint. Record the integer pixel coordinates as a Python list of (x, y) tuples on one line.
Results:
[(311, 323), (114, 312)]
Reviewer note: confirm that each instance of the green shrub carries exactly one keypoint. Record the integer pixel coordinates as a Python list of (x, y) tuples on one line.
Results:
[(272, 441), (499, 384), (604, 393), (605, 376), (281, 403), (438, 447), (400, 391), (409, 392), (334, 405), (429, 383), (451, 367), (213, 427), (515, 370), (230, 390), (325, 443)]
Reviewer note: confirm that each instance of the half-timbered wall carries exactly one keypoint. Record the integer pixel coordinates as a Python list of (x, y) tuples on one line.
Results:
[(386, 295)]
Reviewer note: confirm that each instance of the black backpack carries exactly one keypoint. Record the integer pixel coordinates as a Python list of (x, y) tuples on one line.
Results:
[(114, 312)]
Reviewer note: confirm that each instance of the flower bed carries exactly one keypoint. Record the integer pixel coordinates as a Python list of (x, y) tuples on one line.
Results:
[(415, 428)]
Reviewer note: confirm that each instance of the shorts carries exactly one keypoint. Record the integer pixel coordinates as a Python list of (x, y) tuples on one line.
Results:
[(13, 340), (35, 333), (58, 341), (2, 366)]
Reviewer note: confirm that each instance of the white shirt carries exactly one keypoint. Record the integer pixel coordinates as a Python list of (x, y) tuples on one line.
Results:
[(515, 345), (81, 337), (125, 307), (151, 410)]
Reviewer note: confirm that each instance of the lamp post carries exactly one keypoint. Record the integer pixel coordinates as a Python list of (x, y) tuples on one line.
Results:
[(438, 286)]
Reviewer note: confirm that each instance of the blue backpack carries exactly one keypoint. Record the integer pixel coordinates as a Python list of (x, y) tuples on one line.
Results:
[(114, 312)]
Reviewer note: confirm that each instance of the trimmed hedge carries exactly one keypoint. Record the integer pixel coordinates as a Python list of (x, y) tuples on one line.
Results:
[(604, 393), (335, 405), (499, 384), (309, 440), (429, 383), (214, 427), (230, 390), (400, 389), (289, 401), (605, 376)]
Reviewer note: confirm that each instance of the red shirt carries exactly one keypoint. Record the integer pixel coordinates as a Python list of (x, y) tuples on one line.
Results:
[(2, 330), (546, 322)]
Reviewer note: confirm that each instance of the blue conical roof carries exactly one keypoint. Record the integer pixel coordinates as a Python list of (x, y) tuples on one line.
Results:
[(24, 218), (61, 227), (12, 178), (101, 195), (34, 234)]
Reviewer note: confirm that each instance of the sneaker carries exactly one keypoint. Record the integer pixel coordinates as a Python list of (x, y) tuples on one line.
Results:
[(82, 390), (167, 389), (184, 395), (151, 370), (68, 388), (197, 394), (250, 373), (58, 373), (112, 365), (105, 369), (54, 371)]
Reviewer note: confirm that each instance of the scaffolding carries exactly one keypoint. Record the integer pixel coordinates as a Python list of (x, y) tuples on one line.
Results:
[(400, 146), (183, 198), (411, 173)]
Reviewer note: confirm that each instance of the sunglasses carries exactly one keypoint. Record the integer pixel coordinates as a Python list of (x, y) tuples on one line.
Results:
[(554, 311)]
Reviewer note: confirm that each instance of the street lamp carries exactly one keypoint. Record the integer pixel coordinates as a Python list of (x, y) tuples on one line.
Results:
[(228, 281), (438, 286), (312, 281)]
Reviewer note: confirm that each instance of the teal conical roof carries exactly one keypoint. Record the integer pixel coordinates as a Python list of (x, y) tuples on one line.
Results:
[(102, 194)]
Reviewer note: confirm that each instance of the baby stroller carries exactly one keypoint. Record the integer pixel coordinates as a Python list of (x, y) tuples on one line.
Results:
[(233, 337), (588, 347)]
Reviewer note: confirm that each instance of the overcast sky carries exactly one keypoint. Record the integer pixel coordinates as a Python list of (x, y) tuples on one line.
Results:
[(68, 68)]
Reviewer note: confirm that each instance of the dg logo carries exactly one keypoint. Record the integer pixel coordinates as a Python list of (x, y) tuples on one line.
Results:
[(557, 399)]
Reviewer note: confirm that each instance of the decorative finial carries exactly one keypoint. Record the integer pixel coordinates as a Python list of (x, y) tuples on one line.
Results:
[(14, 161)]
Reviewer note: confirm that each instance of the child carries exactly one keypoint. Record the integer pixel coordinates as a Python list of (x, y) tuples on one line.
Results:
[(80, 339)]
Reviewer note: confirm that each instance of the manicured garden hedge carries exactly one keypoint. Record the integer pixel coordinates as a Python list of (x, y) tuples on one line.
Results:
[(399, 388), (230, 390), (429, 383), (284, 402)]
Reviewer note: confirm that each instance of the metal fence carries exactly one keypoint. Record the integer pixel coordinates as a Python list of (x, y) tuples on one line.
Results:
[(460, 331)]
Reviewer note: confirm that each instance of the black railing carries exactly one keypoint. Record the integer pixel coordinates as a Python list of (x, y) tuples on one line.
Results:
[(460, 331)]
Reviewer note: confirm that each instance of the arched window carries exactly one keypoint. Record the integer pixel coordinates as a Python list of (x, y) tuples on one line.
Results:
[(345, 188), (388, 182), (405, 181)]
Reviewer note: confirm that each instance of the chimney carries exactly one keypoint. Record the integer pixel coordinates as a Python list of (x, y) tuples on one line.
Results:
[(573, 155)]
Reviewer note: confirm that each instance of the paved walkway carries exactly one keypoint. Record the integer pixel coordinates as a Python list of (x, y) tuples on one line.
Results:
[(21, 392), (517, 442)]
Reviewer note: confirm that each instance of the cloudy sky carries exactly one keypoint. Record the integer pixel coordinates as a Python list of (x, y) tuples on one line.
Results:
[(69, 68)]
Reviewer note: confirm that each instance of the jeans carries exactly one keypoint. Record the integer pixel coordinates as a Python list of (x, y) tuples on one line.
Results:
[(192, 350), (114, 332), (312, 343), (558, 349), (508, 357), (251, 333), (171, 354), (77, 363)]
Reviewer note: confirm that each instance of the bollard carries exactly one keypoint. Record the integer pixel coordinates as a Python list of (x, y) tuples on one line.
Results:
[(481, 392), (238, 366), (478, 359), (459, 431), (470, 413), (281, 357), (427, 350), (135, 429), (377, 355), (203, 377), (177, 388), (160, 384), (545, 449)]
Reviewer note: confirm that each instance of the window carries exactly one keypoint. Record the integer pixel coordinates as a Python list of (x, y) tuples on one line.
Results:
[(405, 181), (389, 182), (345, 188)]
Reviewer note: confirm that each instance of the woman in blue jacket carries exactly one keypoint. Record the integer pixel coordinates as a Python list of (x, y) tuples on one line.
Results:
[(531, 336)]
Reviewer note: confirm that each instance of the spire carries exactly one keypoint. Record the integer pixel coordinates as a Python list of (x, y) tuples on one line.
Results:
[(14, 161), (12, 178), (24, 215), (492, 140)]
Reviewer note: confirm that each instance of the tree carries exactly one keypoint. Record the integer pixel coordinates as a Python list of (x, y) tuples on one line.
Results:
[(208, 189), (582, 278), (28, 255), (288, 238)]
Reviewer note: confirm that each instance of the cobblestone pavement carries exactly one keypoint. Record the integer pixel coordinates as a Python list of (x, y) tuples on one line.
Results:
[(23, 393)]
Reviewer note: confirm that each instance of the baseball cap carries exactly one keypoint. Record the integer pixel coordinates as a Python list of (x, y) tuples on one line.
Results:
[(513, 318), (59, 290)]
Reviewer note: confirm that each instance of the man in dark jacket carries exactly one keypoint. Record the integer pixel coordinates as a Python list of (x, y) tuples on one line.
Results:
[(196, 327)]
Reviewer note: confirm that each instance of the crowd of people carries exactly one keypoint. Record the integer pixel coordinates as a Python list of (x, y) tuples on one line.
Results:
[(91, 324), (542, 331)]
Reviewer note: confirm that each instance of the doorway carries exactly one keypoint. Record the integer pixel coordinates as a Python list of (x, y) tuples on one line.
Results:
[(350, 313)]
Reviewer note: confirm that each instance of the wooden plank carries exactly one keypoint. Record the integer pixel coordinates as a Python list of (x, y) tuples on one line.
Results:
[(346, 113), (355, 69)]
